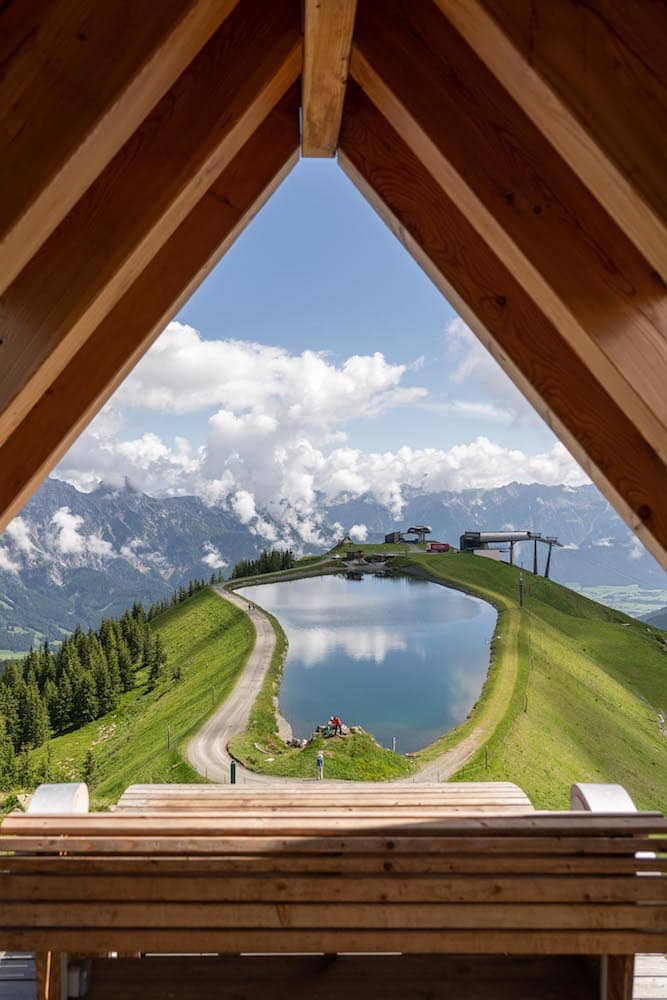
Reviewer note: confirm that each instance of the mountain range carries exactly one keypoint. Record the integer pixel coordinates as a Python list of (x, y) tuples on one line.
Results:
[(74, 557)]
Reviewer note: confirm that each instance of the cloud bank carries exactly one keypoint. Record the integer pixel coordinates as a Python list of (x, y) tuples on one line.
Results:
[(276, 443)]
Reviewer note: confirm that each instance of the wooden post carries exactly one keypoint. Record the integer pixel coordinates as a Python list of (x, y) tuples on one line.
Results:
[(617, 973), (51, 974)]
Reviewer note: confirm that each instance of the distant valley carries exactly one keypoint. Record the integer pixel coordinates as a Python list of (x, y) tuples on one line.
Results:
[(75, 557)]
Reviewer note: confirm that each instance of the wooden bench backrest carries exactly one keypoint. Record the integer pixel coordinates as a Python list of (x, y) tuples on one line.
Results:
[(272, 880)]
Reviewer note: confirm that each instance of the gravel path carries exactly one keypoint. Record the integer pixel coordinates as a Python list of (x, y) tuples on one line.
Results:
[(207, 751)]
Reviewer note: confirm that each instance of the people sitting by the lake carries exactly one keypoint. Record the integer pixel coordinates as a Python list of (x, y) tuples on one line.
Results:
[(320, 766)]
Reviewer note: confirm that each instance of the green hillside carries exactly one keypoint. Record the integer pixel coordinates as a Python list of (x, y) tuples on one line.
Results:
[(208, 641), (573, 690), (572, 694)]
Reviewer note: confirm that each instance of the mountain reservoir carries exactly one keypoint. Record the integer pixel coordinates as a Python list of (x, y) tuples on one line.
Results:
[(402, 657)]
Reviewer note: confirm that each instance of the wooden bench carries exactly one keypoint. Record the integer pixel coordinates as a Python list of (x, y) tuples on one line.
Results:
[(258, 874), (470, 797)]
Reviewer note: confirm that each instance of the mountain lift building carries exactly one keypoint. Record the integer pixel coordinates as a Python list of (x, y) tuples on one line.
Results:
[(485, 542)]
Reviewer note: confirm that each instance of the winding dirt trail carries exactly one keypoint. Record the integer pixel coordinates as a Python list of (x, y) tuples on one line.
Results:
[(207, 751)]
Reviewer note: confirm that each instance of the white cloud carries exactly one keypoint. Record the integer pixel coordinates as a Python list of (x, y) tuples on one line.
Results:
[(69, 541), (7, 563), (213, 557), (359, 532), (276, 445), (19, 532), (474, 364), (184, 373)]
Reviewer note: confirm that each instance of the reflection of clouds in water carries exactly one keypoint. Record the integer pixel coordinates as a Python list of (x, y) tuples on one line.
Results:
[(463, 691), (312, 646)]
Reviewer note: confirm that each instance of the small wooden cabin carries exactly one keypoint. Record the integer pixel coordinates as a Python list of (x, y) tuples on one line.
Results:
[(517, 149)]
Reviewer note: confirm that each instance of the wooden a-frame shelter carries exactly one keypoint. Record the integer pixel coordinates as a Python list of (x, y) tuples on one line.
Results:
[(516, 147)]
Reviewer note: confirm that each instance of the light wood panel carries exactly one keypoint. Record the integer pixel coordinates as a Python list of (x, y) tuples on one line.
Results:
[(528, 205), (115, 346), (49, 901), (595, 427), (78, 77), (138, 201), (593, 80), (328, 27)]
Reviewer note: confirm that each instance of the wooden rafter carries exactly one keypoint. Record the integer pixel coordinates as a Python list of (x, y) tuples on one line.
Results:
[(109, 354), (594, 80), (531, 209), (328, 27), (138, 201), (510, 322), (59, 131)]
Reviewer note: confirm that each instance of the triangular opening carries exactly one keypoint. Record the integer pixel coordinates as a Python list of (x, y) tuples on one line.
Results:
[(315, 384)]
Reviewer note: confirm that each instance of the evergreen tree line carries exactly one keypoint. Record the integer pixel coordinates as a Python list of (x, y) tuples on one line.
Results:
[(268, 562), (50, 692)]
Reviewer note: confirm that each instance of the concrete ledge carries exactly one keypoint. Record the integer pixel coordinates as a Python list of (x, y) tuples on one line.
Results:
[(71, 797), (601, 798)]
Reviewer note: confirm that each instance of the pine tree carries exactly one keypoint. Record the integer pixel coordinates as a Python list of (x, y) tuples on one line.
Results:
[(34, 717), (89, 767), (125, 666), (157, 659), (85, 707), (7, 758)]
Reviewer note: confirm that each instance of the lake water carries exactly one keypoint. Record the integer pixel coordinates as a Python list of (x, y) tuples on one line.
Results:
[(398, 656)]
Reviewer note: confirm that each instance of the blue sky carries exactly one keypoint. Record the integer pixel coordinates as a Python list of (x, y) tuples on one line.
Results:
[(317, 360), (318, 269)]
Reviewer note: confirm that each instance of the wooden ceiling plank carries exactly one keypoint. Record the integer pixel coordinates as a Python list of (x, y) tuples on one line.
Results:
[(141, 197), (328, 27), (531, 208), (593, 78), (77, 79), (430, 222), (108, 356)]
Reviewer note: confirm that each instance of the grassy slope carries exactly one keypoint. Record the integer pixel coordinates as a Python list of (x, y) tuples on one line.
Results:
[(592, 690), (597, 678), (355, 757), (211, 641)]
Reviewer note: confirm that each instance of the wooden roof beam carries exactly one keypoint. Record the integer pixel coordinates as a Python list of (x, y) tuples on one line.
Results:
[(109, 354), (328, 27), (138, 201), (77, 80), (593, 78), (430, 222), (532, 210)]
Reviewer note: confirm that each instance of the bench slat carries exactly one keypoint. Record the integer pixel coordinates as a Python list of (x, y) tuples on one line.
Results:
[(343, 916), (294, 887), (83, 940), (317, 844), (418, 864)]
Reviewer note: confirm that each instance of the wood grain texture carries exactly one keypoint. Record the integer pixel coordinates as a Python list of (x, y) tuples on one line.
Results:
[(431, 222), (529, 206), (619, 977), (171, 903), (575, 72), (115, 346), (328, 27), (404, 940), (58, 132), (139, 200), (606, 61)]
